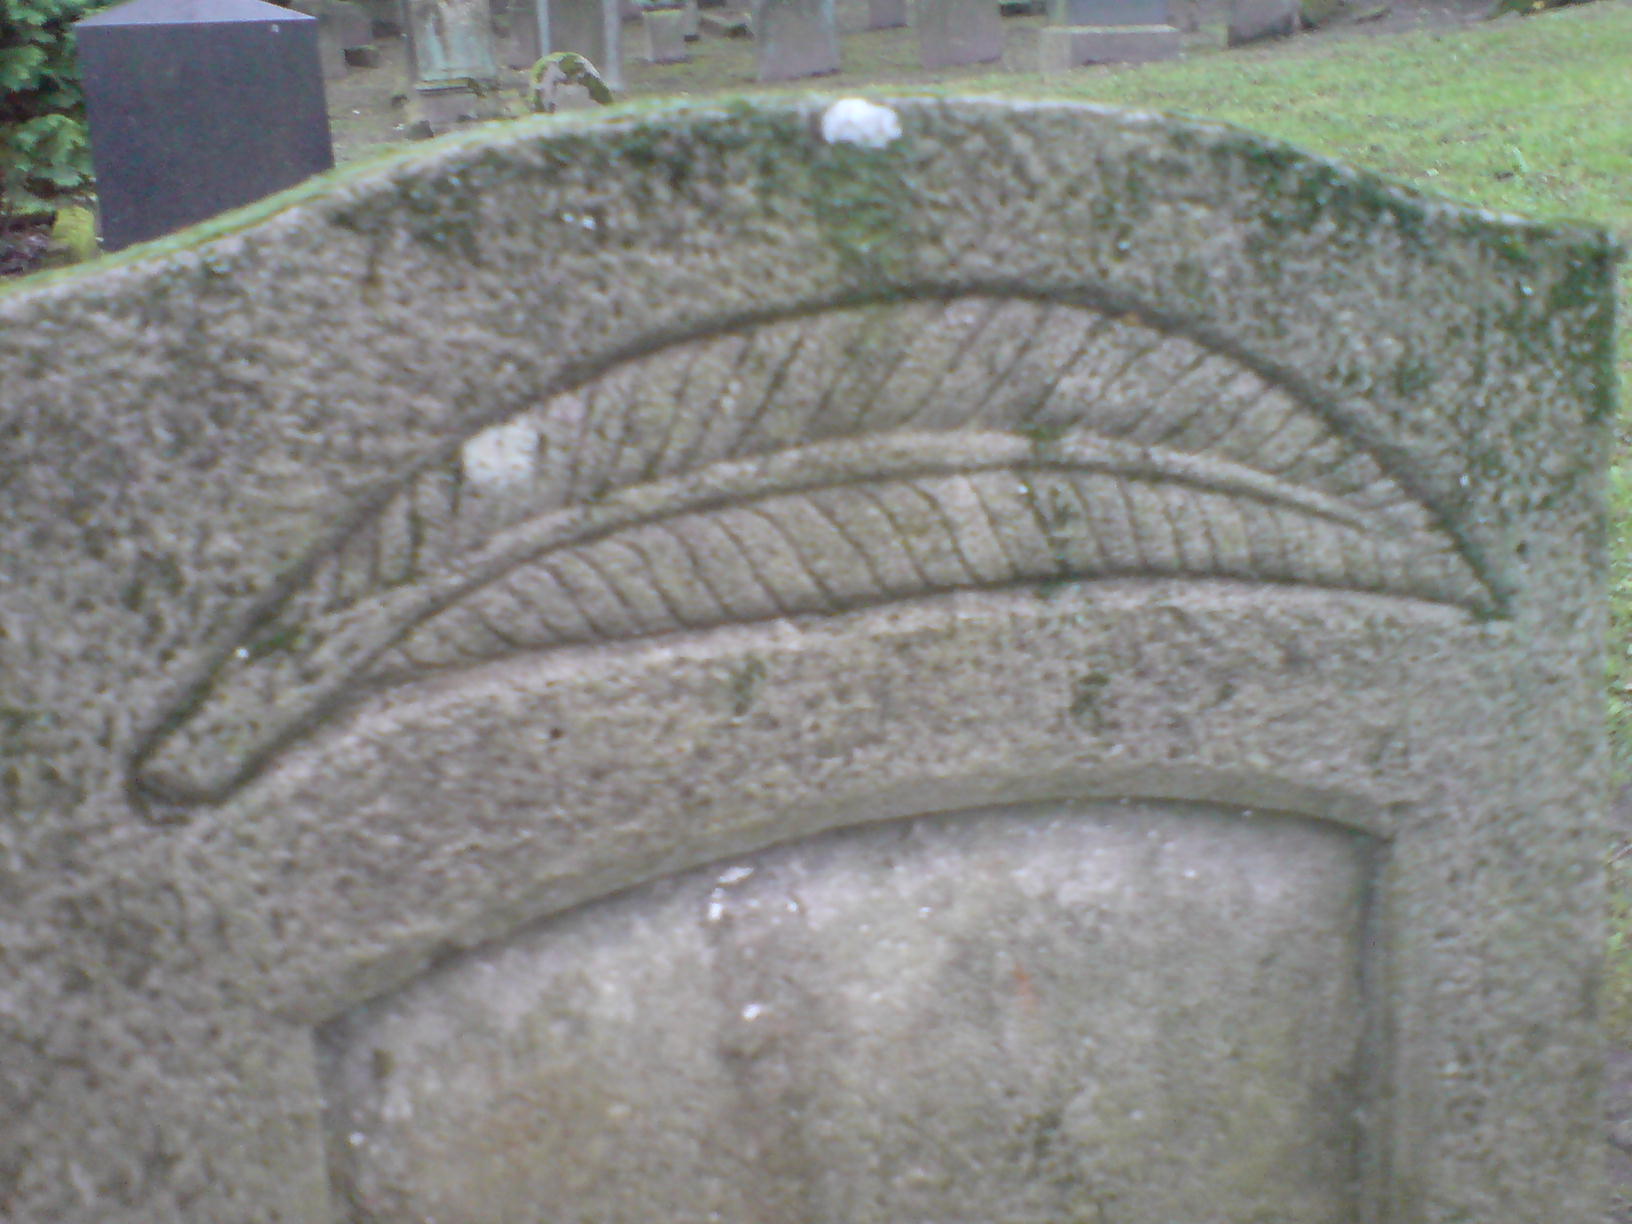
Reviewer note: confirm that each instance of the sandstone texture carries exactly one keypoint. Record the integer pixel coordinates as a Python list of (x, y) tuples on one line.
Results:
[(977, 662)]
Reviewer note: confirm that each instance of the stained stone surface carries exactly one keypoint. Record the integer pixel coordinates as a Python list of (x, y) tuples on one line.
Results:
[(991, 1016), (451, 41), (957, 32), (594, 29), (398, 569), (1252, 20), (795, 38)]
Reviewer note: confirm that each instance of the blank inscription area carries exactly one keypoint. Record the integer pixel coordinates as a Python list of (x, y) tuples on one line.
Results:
[(1117, 1013)]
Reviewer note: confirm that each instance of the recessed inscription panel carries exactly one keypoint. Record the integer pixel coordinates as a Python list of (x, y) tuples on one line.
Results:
[(1136, 1012)]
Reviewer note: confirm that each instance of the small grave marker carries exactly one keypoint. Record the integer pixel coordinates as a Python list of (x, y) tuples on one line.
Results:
[(1105, 32)]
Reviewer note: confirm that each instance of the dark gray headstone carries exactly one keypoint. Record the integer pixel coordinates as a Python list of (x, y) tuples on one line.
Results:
[(198, 106)]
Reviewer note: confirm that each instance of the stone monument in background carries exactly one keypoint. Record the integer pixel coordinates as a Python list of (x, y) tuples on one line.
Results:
[(198, 106), (941, 661), (795, 38)]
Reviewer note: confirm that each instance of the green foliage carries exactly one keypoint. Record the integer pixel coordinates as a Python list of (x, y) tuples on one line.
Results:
[(44, 153)]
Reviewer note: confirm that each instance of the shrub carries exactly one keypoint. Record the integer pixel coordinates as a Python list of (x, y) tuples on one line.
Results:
[(44, 152)]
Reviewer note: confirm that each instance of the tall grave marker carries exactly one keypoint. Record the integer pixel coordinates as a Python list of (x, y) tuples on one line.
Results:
[(592, 28), (952, 32), (984, 662), (198, 106), (795, 38), (454, 59)]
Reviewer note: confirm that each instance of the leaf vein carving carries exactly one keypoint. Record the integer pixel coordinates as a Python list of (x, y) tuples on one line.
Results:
[(765, 472)]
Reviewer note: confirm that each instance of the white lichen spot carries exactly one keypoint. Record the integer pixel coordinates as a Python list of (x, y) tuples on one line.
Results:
[(501, 456), (860, 122), (735, 875), (753, 1011)]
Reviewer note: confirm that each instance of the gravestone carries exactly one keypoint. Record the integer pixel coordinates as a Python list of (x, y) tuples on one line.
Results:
[(1061, 48), (984, 662), (198, 106), (592, 28), (516, 34), (1252, 20), (856, 16), (952, 32), (1109, 12), (886, 14), (1084, 32), (795, 38), (453, 60), (343, 27), (665, 31), (385, 17)]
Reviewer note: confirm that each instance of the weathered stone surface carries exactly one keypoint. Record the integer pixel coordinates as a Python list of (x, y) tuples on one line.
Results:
[(795, 38), (665, 32), (521, 46), (195, 107), (975, 1017), (952, 32), (426, 569), (594, 29), (1109, 12), (384, 17), (451, 42), (1061, 48), (341, 25), (1252, 20)]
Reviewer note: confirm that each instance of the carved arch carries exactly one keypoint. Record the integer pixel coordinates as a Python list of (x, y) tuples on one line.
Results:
[(816, 464)]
